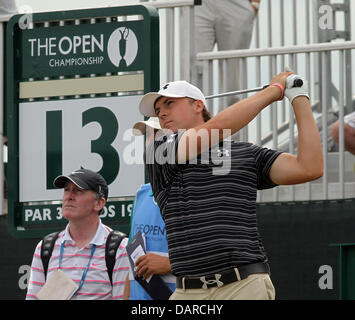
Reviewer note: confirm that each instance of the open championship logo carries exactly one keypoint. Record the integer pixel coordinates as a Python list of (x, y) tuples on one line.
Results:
[(122, 47)]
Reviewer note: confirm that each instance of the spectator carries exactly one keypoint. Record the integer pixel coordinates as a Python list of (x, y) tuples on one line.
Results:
[(349, 132), (146, 217), (79, 250)]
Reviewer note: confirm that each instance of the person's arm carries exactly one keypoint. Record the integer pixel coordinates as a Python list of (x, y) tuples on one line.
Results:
[(127, 289), (151, 263), (228, 121), (37, 278), (335, 131), (120, 272), (308, 164), (349, 136)]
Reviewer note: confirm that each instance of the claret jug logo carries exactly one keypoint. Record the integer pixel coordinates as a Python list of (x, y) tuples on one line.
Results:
[(122, 47)]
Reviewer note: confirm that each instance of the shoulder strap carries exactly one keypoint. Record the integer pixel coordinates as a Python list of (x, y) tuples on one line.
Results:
[(113, 241), (47, 248)]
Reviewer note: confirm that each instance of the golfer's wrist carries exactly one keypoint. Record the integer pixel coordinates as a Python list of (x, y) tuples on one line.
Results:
[(278, 89), (301, 100)]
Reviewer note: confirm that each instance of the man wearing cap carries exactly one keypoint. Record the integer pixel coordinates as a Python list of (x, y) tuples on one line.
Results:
[(147, 219), (214, 245), (79, 251)]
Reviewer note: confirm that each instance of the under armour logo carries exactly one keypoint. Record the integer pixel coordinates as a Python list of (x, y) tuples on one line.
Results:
[(212, 281), (166, 86), (221, 153)]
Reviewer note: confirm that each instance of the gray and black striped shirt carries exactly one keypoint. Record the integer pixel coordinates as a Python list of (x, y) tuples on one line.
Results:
[(209, 204)]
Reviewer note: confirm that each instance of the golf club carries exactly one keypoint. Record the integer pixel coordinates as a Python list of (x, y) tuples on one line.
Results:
[(297, 82)]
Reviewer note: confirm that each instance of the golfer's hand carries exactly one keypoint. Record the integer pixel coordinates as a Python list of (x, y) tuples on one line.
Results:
[(293, 92), (151, 263)]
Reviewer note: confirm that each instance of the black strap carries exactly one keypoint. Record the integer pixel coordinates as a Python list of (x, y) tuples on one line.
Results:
[(47, 249), (112, 243)]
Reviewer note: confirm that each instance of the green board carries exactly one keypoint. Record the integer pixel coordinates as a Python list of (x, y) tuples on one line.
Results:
[(73, 83)]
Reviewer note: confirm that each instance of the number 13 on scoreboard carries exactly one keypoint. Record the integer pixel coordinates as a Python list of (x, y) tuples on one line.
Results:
[(57, 137)]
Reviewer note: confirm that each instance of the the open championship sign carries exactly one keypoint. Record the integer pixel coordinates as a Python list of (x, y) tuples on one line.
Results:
[(74, 81)]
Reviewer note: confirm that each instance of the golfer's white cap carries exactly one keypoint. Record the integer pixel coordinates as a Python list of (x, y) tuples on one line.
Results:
[(175, 89), (140, 127)]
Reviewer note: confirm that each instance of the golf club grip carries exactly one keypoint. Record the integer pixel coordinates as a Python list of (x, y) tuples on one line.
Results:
[(297, 83)]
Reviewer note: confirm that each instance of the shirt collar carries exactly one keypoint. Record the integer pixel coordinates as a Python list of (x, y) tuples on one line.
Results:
[(98, 239)]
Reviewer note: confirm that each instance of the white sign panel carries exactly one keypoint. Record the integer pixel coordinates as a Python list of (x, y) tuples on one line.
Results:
[(78, 133)]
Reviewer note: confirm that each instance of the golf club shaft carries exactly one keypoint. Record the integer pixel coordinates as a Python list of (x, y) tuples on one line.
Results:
[(233, 93), (297, 83)]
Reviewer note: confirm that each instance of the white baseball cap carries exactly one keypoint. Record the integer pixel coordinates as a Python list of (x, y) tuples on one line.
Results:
[(140, 127), (175, 89)]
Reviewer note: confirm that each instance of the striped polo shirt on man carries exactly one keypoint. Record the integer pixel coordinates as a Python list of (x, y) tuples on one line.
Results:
[(209, 204), (97, 284)]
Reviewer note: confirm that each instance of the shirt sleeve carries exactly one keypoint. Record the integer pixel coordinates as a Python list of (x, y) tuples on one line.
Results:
[(264, 159), (160, 162), (37, 278), (120, 271)]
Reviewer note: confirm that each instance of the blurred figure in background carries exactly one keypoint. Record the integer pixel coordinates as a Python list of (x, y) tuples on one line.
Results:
[(229, 24), (349, 132), (8, 8)]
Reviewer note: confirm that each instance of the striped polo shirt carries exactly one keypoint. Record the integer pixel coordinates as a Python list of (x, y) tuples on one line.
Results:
[(209, 204), (97, 284)]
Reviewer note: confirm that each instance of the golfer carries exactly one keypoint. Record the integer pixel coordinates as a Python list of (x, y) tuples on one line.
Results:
[(214, 245)]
